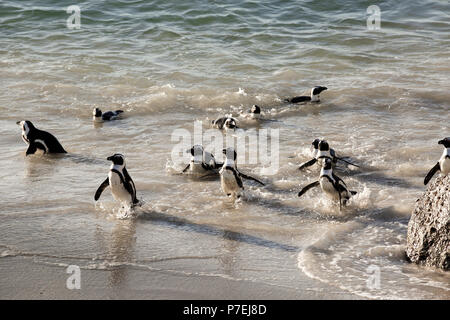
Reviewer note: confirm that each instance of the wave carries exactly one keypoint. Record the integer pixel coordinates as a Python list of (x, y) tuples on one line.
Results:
[(377, 270)]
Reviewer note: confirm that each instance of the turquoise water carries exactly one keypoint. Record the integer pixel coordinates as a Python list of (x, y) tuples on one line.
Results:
[(170, 63)]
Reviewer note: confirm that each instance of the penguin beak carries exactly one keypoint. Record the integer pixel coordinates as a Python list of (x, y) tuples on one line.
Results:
[(109, 158), (441, 141), (18, 123)]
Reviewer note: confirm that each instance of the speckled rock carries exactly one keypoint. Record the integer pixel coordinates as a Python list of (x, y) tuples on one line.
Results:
[(428, 240)]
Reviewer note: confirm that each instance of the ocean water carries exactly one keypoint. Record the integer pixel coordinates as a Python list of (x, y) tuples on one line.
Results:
[(171, 65)]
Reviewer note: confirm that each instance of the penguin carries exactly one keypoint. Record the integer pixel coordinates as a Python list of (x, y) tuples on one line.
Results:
[(315, 147), (255, 112), (39, 139), (122, 186), (98, 116), (201, 161), (333, 186), (443, 164), (231, 177), (322, 150), (225, 123), (314, 97)]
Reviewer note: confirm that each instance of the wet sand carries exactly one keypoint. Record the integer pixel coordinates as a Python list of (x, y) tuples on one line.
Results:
[(24, 279)]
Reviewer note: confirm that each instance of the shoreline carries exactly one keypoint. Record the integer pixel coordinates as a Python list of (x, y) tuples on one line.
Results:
[(26, 279)]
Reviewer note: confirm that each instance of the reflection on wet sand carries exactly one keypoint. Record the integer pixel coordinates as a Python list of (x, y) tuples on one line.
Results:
[(121, 251)]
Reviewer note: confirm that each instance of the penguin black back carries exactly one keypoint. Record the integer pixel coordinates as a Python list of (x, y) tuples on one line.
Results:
[(39, 139)]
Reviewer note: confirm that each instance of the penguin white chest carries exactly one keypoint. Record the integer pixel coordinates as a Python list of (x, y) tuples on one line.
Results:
[(228, 182), (118, 189), (445, 165), (97, 119), (328, 188)]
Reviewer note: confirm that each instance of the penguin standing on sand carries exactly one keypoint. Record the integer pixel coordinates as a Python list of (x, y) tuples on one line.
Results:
[(201, 161), (99, 116), (443, 164), (39, 139), (230, 177), (333, 186), (313, 97), (321, 151), (122, 186)]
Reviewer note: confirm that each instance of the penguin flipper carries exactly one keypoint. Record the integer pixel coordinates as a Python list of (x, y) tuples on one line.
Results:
[(430, 174), (212, 173), (333, 153), (307, 164), (209, 167), (348, 162), (309, 186), (129, 184), (251, 178), (101, 188), (237, 176), (31, 149), (338, 180)]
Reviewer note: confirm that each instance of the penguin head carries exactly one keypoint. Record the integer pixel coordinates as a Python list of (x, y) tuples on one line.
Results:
[(117, 159), (97, 112), (230, 153), (324, 146), (255, 109), (326, 164), (445, 142), (315, 93), (315, 143), (26, 126), (255, 112), (230, 123), (196, 152)]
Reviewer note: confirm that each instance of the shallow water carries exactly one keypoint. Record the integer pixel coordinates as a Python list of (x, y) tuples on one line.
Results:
[(169, 64)]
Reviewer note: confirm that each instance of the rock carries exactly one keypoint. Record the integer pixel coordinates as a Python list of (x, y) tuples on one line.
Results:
[(428, 240)]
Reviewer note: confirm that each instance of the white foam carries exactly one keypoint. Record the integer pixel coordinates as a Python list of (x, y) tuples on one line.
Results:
[(242, 92)]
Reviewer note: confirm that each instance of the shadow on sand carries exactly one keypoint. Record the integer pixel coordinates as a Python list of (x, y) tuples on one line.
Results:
[(186, 225)]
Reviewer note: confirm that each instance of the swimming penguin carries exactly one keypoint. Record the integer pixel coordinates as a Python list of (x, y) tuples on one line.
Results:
[(98, 116), (443, 164), (201, 161), (227, 123), (322, 150), (230, 177), (122, 186), (38, 139), (314, 97), (333, 186), (255, 112)]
